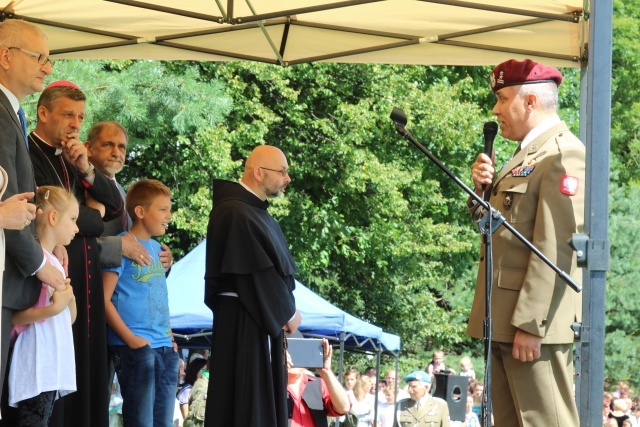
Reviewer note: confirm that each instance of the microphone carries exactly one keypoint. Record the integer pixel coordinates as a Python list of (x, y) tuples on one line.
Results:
[(490, 131), (399, 118)]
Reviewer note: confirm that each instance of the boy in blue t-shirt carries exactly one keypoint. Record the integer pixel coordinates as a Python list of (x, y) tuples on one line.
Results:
[(137, 307)]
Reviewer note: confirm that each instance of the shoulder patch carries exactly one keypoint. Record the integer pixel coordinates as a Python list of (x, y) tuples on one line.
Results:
[(569, 185)]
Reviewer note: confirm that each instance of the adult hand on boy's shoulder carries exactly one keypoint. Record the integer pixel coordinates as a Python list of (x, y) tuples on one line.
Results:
[(165, 257), (134, 250)]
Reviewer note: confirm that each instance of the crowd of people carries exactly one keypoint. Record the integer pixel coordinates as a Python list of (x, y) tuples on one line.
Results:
[(620, 407), (402, 400), (318, 399), (84, 280), (397, 395)]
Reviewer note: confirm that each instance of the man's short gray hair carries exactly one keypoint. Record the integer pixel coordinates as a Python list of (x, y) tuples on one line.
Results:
[(547, 94), (96, 130), (12, 32)]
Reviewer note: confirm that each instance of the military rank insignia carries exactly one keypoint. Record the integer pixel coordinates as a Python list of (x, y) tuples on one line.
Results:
[(522, 171), (569, 185)]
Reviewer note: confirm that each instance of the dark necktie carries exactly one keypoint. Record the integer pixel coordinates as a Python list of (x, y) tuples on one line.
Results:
[(124, 217), (23, 122)]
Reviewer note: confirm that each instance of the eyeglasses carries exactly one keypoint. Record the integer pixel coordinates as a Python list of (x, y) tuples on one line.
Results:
[(284, 172), (42, 59)]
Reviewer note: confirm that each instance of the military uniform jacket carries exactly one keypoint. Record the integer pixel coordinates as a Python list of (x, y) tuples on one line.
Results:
[(540, 191), (433, 413)]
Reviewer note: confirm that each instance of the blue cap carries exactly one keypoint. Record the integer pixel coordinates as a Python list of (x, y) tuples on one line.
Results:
[(418, 376)]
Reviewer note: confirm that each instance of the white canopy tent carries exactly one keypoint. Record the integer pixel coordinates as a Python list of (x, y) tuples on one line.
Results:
[(438, 32), (566, 33)]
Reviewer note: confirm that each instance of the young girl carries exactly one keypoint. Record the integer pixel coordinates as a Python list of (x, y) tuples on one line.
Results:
[(43, 364), (437, 364)]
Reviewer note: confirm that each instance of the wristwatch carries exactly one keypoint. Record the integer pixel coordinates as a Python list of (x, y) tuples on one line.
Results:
[(88, 171)]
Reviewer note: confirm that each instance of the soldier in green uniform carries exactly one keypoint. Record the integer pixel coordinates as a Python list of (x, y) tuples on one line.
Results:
[(421, 409)]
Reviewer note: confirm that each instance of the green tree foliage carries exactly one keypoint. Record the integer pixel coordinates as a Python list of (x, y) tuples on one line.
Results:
[(622, 315), (623, 294), (625, 123)]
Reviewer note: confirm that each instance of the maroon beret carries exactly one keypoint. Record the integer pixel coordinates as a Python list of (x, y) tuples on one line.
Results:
[(514, 72)]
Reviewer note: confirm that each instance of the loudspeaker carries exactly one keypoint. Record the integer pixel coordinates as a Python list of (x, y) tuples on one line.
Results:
[(453, 389)]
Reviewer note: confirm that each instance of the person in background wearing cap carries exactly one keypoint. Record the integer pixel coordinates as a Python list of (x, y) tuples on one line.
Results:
[(59, 158), (24, 64), (312, 399), (421, 409), (540, 191)]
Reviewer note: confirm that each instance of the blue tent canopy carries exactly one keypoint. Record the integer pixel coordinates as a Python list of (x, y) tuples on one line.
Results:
[(190, 317)]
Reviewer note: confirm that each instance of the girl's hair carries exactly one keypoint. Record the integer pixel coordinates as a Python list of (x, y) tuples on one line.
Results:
[(191, 373), (50, 198)]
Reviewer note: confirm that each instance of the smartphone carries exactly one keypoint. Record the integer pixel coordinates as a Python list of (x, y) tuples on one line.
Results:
[(306, 352)]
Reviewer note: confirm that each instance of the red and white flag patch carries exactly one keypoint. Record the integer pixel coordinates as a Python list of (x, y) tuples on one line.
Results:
[(569, 185)]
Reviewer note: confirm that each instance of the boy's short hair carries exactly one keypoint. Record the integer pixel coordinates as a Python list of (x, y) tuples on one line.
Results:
[(143, 193)]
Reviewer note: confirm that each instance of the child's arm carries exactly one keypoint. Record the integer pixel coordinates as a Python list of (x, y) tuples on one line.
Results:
[(68, 298), (73, 309), (115, 322), (35, 314)]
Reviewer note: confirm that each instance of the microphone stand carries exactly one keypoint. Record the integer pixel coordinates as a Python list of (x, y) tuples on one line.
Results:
[(488, 225)]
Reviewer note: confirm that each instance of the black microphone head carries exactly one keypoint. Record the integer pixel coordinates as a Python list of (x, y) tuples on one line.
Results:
[(490, 130), (398, 117)]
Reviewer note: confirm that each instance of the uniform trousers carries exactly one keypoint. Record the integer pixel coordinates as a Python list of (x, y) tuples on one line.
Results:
[(533, 394)]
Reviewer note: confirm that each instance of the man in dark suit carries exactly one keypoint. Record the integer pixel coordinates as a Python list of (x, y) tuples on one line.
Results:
[(24, 64), (540, 191), (107, 150)]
